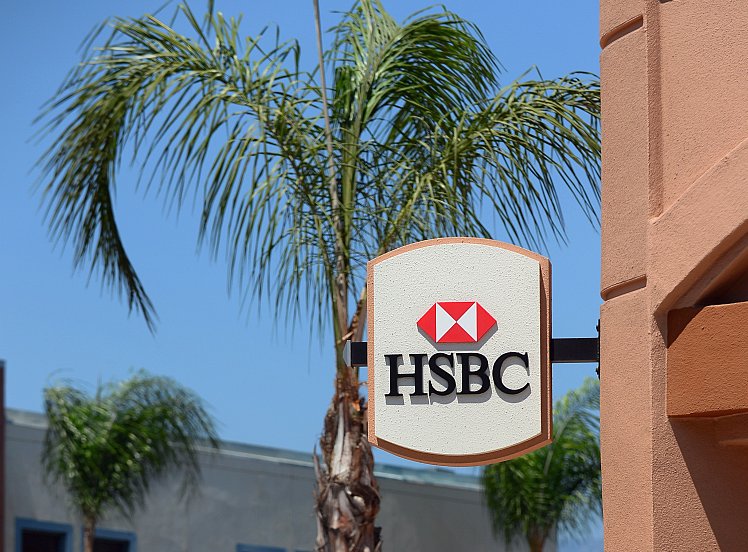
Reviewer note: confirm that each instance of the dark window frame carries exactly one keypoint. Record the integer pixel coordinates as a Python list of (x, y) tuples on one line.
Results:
[(258, 548), (116, 535), (56, 528)]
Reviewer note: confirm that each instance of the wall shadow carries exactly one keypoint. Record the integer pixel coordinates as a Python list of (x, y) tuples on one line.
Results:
[(720, 477)]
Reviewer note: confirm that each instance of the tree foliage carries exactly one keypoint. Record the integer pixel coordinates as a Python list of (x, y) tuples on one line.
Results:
[(423, 135), (109, 448), (557, 488), (423, 142)]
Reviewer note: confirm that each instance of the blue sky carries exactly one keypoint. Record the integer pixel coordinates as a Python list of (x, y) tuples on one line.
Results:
[(265, 384)]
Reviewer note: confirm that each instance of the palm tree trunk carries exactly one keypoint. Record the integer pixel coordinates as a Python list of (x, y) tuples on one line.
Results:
[(536, 542), (89, 532), (347, 494)]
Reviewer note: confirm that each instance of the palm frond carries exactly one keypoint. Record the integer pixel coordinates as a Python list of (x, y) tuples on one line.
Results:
[(558, 487), (175, 100), (108, 449), (513, 152), (425, 144)]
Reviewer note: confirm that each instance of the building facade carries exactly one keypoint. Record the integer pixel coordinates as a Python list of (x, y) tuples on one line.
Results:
[(252, 499), (674, 324)]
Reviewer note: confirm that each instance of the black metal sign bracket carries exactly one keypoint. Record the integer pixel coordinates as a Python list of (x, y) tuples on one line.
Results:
[(564, 350)]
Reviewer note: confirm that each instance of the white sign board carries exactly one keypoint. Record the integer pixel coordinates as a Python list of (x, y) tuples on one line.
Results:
[(458, 346)]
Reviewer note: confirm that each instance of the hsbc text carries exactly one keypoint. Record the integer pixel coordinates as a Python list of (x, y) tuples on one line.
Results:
[(448, 384)]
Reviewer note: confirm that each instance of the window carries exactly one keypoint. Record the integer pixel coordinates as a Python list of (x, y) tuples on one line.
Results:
[(109, 545), (107, 540), (42, 541), (42, 536)]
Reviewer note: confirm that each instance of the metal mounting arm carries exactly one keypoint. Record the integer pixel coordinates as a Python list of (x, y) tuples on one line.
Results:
[(564, 350)]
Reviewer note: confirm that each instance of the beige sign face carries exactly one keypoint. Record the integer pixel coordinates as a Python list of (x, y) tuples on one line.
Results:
[(458, 345)]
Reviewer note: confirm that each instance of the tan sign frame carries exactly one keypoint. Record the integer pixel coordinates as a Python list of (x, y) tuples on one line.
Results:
[(491, 457)]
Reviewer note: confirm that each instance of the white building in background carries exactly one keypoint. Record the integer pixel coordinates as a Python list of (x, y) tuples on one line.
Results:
[(252, 499)]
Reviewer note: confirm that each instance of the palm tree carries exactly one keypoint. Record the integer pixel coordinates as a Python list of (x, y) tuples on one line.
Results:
[(556, 488), (418, 140), (108, 449)]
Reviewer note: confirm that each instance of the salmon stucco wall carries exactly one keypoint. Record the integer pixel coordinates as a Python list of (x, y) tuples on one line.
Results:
[(674, 434)]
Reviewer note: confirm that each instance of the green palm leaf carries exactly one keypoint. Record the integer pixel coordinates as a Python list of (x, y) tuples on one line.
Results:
[(556, 488), (107, 449), (423, 137)]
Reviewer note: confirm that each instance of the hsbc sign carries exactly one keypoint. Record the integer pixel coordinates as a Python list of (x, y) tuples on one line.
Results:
[(458, 351)]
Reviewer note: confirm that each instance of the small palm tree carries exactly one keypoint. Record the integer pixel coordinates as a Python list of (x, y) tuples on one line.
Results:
[(418, 140), (556, 488), (108, 449)]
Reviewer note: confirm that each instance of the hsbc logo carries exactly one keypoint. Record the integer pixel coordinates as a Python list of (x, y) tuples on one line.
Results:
[(458, 365), (456, 322)]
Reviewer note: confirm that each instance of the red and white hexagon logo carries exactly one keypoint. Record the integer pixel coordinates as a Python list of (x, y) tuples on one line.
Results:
[(456, 322)]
